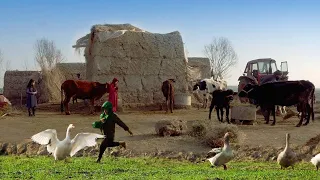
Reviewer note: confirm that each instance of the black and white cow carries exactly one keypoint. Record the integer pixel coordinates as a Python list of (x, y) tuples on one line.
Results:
[(205, 88)]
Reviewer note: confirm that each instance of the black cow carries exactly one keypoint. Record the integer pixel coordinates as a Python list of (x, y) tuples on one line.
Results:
[(221, 99), (283, 93)]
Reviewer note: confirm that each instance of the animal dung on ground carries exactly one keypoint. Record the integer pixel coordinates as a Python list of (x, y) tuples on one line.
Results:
[(169, 127)]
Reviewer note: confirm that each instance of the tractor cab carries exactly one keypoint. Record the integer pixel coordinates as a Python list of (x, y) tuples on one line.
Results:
[(260, 67), (256, 69)]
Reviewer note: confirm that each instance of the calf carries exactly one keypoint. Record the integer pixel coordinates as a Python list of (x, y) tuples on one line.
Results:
[(307, 115), (81, 90), (221, 99), (285, 93), (168, 92)]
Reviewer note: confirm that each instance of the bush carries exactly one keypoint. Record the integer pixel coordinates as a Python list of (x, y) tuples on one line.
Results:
[(211, 134), (196, 129)]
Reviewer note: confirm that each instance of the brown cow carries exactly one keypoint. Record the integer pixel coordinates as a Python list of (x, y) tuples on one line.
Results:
[(82, 90), (168, 92)]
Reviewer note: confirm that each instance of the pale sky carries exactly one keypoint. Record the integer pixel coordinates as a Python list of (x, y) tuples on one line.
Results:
[(286, 30)]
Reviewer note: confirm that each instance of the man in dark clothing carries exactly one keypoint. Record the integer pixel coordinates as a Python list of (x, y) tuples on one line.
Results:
[(109, 120), (271, 78)]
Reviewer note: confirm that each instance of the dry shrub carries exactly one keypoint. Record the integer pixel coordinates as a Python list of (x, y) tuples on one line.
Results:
[(47, 55), (50, 85), (196, 129), (212, 134)]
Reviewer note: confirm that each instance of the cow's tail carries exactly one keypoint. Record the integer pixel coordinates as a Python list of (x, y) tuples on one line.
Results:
[(312, 101), (61, 102)]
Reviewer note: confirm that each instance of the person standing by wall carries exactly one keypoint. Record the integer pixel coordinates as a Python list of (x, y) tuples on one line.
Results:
[(113, 94), (31, 97)]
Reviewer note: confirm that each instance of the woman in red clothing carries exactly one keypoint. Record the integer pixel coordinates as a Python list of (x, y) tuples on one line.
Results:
[(113, 94)]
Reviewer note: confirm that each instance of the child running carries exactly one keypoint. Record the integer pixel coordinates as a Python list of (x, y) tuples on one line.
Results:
[(109, 119)]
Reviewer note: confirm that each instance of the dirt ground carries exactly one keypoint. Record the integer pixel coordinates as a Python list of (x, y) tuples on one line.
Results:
[(18, 127)]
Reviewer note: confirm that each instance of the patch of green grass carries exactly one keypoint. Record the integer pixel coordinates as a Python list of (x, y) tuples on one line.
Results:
[(15, 167)]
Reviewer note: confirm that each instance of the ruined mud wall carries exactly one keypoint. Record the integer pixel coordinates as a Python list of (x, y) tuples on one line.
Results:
[(70, 70), (141, 61), (15, 83), (47, 84), (198, 68)]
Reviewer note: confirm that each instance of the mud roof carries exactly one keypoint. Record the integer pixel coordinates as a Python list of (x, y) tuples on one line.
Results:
[(261, 60)]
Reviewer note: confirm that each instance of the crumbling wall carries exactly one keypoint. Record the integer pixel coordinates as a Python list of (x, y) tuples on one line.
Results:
[(15, 84), (198, 68), (70, 70), (140, 60), (47, 84)]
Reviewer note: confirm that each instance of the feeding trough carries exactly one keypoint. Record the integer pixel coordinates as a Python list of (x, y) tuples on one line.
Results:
[(244, 115)]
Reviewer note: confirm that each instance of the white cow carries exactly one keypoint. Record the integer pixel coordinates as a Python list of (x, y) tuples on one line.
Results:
[(206, 87)]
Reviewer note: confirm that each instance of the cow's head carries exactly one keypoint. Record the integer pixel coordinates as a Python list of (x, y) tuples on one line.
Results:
[(196, 86), (246, 89), (229, 94)]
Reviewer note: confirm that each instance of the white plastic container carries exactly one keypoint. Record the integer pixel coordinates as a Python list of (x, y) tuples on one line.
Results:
[(182, 100)]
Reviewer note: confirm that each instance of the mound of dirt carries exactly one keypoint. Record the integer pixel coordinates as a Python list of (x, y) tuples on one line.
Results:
[(169, 128), (313, 141)]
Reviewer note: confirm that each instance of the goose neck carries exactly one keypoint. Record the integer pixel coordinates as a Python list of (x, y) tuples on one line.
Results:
[(287, 143), (226, 142), (68, 133)]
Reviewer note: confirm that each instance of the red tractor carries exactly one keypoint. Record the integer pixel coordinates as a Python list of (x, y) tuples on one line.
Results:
[(258, 68)]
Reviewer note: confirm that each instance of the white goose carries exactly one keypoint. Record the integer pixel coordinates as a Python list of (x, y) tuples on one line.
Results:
[(287, 157), (67, 147), (224, 156), (316, 161)]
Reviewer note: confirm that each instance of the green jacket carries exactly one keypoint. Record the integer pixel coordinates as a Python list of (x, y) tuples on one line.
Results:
[(108, 126)]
